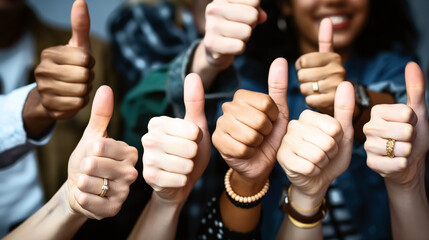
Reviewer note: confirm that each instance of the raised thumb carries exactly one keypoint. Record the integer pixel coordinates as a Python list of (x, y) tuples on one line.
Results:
[(326, 36), (278, 84), (415, 84), (80, 24), (344, 107), (101, 113), (194, 100)]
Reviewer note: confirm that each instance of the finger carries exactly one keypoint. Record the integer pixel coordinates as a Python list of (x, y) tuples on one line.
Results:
[(317, 59), (377, 146), (248, 115), (159, 179), (399, 113), (170, 144), (240, 131), (113, 149), (325, 36), (223, 45), (415, 84), (278, 84), (260, 101), (230, 30), (65, 55), (93, 185), (63, 88), (398, 131), (63, 103), (167, 162), (101, 113), (175, 127), (344, 107), (324, 100), (95, 206), (194, 101), (298, 165), (66, 73), (323, 122), (262, 16), (229, 147), (107, 168), (80, 23), (385, 165)]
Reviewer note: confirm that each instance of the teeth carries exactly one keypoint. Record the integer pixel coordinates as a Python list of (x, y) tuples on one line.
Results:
[(338, 19)]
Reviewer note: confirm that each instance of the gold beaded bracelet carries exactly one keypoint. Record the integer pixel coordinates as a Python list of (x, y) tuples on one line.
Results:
[(241, 201)]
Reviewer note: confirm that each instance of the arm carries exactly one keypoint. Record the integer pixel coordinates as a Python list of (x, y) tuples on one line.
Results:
[(81, 197), (315, 150), (249, 147), (403, 171), (229, 25), (176, 154)]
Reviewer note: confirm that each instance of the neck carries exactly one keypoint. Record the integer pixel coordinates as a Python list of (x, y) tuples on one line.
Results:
[(12, 26)]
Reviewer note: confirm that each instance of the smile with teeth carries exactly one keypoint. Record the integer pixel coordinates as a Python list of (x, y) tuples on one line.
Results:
[(338, 19)]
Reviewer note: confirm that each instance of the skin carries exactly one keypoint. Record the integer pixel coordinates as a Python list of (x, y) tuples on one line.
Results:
[(248, 136), (176, 154), (95, 157), (403, 174), (315, 150)]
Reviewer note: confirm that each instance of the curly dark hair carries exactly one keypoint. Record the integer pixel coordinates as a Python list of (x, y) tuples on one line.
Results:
[(389, 27)]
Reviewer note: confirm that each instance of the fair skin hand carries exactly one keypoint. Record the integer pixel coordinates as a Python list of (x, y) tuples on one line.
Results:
[(95, 157), (315, 150), (176, 154), (404, 173), (229, 25), (248, 135), (65, 73)]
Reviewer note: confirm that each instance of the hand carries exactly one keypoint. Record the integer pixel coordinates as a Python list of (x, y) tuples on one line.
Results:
[(177, 151), (97, 157), (317, 148), (249, 132), (229, 24), (324, 68), (408, 125), (64, 74)]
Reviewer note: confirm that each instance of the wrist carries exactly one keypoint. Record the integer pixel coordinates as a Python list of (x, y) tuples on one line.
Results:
[(246, 186), (302, 200), (37, 120)]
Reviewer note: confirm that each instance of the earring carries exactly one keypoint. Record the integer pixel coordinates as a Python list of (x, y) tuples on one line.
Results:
[(282, 24)]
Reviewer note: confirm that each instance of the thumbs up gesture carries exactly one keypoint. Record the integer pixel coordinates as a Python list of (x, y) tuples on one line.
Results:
[(229, 25), (317, 148), (65, 73), (321, 72), (406, 129), (249, 132), (100, 169), (177, 151)]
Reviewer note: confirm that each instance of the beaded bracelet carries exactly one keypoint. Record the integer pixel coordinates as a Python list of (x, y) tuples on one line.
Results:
[(240, 201)]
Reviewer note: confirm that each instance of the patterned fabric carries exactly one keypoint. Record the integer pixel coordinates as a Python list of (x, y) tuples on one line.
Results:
[(146, 36), (212, 228)]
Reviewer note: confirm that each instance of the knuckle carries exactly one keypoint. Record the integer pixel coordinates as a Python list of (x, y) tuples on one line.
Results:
[(98, 147), (82, 182), (192, 150), (407, 132), (83, 200), (406, 113), (150, 175), (89, 165)]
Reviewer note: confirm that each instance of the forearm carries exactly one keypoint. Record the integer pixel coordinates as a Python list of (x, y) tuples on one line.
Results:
[(288, 230), (36, 119), (158, 220), (238, 219), (207, 69), (55, 220), (409, 210)]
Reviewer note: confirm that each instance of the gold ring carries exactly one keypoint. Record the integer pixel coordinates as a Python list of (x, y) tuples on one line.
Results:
[(315, 85), (104, 188), (390, 147)]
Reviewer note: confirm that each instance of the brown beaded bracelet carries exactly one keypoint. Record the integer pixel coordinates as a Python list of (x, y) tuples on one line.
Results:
[(240, 201)]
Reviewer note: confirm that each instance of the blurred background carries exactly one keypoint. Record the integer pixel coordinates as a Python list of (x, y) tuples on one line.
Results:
[(57, 13)]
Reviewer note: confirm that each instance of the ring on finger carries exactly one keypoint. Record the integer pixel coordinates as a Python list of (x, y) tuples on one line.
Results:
[(104, 188)]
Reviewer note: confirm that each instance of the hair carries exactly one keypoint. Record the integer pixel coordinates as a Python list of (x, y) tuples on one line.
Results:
[(389, 26)]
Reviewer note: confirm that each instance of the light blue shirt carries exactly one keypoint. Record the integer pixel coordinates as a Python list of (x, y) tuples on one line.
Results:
[(21, 193)]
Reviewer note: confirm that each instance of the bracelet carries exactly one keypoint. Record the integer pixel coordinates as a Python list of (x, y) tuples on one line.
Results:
[(240, 201), (297, 218)]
